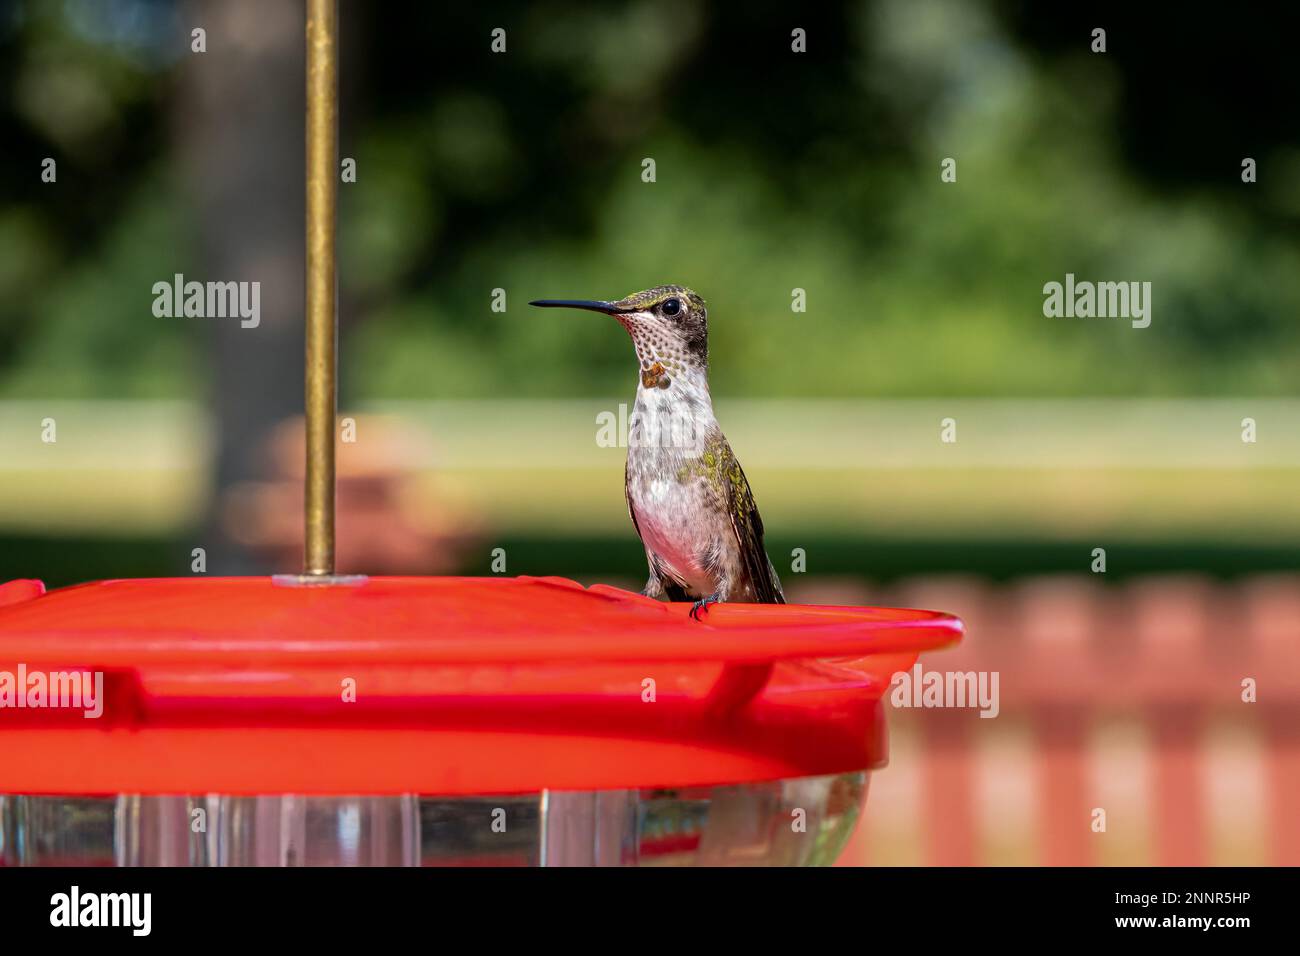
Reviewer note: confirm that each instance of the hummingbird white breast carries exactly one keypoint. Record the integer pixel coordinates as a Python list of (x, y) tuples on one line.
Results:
[(672, 497)]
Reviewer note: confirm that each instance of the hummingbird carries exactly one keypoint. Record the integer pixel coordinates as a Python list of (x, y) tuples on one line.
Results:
[(686, 493)]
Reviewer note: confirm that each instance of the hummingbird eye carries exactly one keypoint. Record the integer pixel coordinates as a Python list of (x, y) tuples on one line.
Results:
[(671, 307)]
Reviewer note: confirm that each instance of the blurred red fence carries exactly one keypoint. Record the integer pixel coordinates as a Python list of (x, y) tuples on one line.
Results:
[(1173, 655)]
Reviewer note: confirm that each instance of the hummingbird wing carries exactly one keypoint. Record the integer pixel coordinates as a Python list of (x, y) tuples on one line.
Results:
[(748, 526)]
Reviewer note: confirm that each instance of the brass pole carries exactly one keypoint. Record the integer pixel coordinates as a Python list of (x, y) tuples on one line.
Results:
[(322, 283)]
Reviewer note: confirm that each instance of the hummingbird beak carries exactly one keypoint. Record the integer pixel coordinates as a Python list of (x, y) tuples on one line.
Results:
[(609, 308)]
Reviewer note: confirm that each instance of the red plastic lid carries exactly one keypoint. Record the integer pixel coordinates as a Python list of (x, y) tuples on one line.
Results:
[(440, 686)]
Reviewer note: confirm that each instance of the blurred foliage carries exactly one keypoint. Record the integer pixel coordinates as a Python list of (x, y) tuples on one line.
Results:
[(774, 171)]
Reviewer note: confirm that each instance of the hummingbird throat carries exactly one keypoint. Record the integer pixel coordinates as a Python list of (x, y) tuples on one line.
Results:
[(656, 376)]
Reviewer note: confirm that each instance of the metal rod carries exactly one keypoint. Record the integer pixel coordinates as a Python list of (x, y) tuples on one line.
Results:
[(322, 282)]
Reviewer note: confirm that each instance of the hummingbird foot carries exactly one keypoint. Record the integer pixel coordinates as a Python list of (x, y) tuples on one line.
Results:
[(702, 606)]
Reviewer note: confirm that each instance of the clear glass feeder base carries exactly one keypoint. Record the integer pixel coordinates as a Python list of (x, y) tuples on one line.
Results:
[(802, 821)]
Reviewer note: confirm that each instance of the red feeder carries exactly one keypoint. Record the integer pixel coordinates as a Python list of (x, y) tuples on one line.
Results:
[(436, 721)]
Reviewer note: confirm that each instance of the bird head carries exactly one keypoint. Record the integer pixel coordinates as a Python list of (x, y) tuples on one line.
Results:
[(668, 325)]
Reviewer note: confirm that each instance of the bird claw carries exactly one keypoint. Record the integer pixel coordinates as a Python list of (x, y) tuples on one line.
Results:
[(702, 606)]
